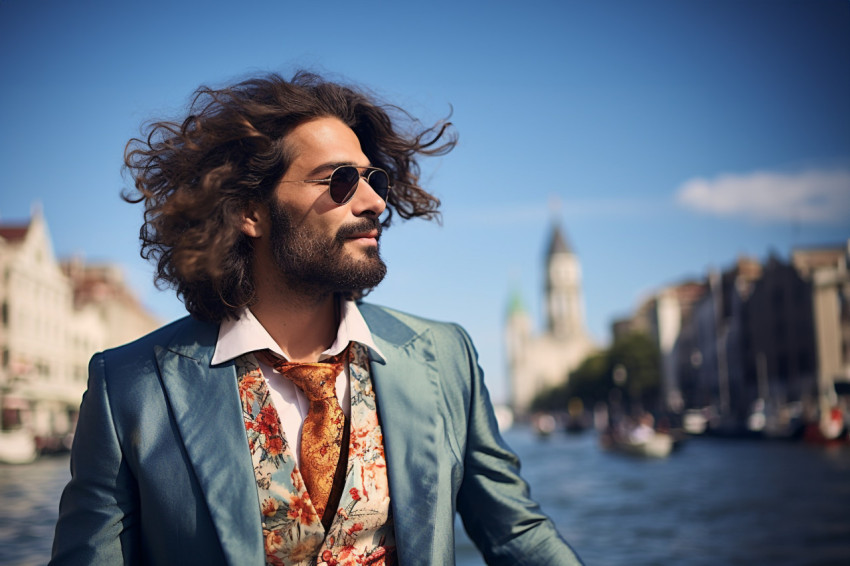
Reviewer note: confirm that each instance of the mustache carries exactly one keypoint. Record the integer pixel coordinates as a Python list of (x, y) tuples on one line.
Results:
[(364, 225)]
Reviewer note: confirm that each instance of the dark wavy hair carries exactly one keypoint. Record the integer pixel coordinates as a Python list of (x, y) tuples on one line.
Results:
[(197, 177)]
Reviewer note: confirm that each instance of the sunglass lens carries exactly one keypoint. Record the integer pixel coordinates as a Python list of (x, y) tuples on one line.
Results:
[(380, 182), (344, 182)]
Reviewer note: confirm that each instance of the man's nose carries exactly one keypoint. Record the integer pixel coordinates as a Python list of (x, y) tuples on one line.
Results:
[(366, 200)]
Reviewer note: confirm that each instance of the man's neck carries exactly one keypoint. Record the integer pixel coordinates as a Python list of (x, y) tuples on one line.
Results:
[(302, 327)]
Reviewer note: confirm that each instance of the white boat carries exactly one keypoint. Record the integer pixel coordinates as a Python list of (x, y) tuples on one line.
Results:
[(659, 445), (640, 441), (17, 447), (694, 421)]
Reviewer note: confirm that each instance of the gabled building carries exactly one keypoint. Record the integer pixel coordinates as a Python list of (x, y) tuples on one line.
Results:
[(50, 325), (40, 339)]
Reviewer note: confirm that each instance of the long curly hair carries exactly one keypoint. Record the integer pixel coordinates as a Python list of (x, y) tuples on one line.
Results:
[(197, 177)]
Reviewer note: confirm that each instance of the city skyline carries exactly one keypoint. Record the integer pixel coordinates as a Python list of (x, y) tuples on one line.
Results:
[(675, 136)]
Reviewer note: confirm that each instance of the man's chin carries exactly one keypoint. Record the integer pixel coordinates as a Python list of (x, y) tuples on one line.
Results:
[(359, 269)]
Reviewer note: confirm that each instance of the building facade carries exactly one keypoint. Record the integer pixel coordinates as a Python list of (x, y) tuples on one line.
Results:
[(759, 345), (666, 317), (49, 328), (539, 361), (826, 269)]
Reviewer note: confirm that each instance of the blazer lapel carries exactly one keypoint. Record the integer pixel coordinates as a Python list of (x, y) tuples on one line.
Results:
[(205, 403), (406, 388)]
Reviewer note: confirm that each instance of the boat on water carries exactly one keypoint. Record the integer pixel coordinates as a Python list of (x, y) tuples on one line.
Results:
[(695, 421), (544, 424), (659, 445), (639, 439), (17, 446)]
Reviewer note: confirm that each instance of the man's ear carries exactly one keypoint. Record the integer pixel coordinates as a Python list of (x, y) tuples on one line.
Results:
[(254, 222)]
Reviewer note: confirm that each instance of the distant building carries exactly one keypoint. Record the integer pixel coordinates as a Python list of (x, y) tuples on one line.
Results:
[(665, 317), (780, 365), (713, 374), (826, 269), (537, 362), (52, 319), (100, 292), (764, 347)]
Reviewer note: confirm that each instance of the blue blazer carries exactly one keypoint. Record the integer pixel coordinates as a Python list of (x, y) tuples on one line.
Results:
[(162, 474)]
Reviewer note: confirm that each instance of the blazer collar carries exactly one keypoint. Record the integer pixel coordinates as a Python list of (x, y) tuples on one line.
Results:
[(205, 403)]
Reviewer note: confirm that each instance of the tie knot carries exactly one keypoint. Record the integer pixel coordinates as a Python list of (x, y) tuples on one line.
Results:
[(317, 379)]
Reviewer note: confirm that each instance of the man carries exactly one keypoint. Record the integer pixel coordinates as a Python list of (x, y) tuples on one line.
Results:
[(206, 442)]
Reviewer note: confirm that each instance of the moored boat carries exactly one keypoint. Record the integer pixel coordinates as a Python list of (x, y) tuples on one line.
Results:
[(17, 447)]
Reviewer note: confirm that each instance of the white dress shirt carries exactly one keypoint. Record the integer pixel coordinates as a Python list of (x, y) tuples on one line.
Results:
[(247, 334)]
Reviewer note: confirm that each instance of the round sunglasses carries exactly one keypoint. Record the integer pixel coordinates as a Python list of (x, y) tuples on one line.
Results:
[(343, 181)]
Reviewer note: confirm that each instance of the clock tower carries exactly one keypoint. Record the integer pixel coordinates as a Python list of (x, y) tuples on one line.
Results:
[(539, 361), (564, 310)]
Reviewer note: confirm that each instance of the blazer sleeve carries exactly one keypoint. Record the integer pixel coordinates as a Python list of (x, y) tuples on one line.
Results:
[(98, 511), (493, 501)]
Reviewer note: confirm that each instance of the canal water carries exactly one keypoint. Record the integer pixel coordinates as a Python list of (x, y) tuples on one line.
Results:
[(716, 501)]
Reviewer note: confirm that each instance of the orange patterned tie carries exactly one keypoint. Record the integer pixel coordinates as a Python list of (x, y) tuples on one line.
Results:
[(323, 431)]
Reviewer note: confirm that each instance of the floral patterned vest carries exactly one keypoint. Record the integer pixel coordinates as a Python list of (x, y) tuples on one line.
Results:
[(362, 529)]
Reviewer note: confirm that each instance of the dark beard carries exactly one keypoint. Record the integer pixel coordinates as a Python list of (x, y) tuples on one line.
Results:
[(313, 264)]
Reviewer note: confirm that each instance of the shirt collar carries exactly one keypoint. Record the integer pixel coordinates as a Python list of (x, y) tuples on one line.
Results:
[(246, 334)]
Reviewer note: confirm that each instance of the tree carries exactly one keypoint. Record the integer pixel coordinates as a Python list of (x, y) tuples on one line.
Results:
[(590, 381), (639, 356), (634, 357)]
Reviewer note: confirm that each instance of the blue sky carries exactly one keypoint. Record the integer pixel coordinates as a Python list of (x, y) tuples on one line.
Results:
[(673, 135)]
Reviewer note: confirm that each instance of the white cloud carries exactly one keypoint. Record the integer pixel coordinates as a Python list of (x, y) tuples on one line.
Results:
[(811, 196)]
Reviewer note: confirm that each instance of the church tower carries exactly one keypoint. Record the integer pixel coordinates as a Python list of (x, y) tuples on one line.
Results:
[(538, 361), (564, 306)]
